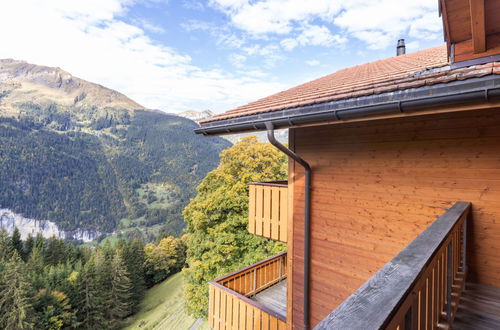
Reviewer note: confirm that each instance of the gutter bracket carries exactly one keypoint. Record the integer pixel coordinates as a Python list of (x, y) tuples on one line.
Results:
[(336, 115)]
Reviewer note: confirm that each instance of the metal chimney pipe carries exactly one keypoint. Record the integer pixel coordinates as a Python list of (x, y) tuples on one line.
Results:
[(401, 49)]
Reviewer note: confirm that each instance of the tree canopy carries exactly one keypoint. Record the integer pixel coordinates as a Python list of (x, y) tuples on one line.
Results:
[(217, 218)]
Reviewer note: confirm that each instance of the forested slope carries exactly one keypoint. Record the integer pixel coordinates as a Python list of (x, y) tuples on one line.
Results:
[(87, 157)]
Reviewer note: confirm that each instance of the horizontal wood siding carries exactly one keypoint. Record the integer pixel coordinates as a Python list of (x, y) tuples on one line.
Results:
[(268, 211), (377, 185)]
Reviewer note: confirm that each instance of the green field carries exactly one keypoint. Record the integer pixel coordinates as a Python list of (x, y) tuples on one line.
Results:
[(163, 308)]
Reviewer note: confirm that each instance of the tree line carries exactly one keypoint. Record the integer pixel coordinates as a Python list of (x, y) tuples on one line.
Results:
[(53, 284)]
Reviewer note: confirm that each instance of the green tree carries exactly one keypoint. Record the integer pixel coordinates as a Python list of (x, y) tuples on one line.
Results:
[(91, 303), (16, 310), (54, 311), (121, 292), (217, 218), (163, 259), (17, 243), (133, 256), (28, 247), (5, 245), (55, 251)]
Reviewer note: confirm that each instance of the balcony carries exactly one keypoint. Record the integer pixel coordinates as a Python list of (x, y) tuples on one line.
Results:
[(268, 210), (251, 298), (424, 287)]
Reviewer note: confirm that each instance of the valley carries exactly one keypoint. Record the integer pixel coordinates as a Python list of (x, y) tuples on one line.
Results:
[(87, 158)]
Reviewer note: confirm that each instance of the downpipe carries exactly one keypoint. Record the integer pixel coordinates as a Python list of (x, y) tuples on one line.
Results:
[(307, 216)]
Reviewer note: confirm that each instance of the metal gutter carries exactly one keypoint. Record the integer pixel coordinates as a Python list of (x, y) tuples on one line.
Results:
[(307, 215), (401, 101)]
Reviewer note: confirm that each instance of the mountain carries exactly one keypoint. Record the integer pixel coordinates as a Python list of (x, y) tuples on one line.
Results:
[(281, 135), (196, 115), (88, 158)]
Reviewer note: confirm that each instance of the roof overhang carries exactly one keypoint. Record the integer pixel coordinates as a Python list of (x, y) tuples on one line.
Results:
[(482, 89)]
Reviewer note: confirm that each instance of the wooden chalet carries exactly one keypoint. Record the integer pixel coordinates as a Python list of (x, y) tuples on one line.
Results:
[(391, 212)]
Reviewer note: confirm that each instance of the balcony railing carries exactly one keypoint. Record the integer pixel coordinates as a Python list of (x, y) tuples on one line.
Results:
[(419, 289), (268, 209), (231, 304)]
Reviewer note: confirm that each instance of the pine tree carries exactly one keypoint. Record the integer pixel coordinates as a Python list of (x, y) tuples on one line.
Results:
[(16, 311), (6, 247), (17, 243), (121, 292), (39, 241), (28, 247), (90, 302), (133, 256), (55, 251)]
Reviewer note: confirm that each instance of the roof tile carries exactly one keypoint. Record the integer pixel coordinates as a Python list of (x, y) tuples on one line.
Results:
[(425, 67)]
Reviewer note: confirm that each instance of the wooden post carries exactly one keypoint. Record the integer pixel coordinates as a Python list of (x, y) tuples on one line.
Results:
[(281, 265), (478, 25), (464, 250), (449, 281), (254, 281)]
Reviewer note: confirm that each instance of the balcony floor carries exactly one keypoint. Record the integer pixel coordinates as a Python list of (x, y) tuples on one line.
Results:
[(479, 308), (274, 298)]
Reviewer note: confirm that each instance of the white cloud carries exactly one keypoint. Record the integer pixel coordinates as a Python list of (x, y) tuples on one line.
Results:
[(270, 53), (237, 60), (274, 16), (148, 26), (313, 35), (289, 43), (412, 46), (313, 62), (90, 40), (193, 5), (223, 35), (380, 22), (376, 22)]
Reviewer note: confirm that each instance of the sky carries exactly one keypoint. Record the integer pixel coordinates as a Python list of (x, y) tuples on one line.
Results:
[(178, 55)]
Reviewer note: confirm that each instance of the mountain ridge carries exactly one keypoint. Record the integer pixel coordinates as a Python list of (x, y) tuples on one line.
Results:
[(75, 91), (87, 157)]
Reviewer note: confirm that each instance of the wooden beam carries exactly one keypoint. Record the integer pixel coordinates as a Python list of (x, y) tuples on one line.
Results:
[(477, 25)]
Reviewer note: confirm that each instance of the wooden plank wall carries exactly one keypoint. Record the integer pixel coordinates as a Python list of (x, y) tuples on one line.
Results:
[(377, 185), (268, 211), (255, 279), (228, 312)]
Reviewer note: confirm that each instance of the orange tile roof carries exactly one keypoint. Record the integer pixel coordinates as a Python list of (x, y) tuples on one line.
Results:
[(395, 73)]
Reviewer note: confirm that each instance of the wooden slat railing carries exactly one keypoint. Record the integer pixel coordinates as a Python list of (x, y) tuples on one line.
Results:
[(419, 289), (268, 209), (230, 303)]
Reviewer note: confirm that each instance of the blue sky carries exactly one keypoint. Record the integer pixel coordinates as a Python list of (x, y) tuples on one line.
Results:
[(178, 55)]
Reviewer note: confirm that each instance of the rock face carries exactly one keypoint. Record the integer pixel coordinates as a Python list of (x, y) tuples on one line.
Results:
[(196, 115), (9, 220)]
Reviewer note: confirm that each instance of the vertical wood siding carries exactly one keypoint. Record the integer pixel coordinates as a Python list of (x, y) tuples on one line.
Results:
[(377, 185), (229, 306), (268, 210)]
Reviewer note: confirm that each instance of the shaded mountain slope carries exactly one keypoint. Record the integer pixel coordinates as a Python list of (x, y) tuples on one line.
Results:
[(87, 157)]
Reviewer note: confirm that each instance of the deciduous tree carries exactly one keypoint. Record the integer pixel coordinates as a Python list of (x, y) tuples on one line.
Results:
[(217, 218)]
